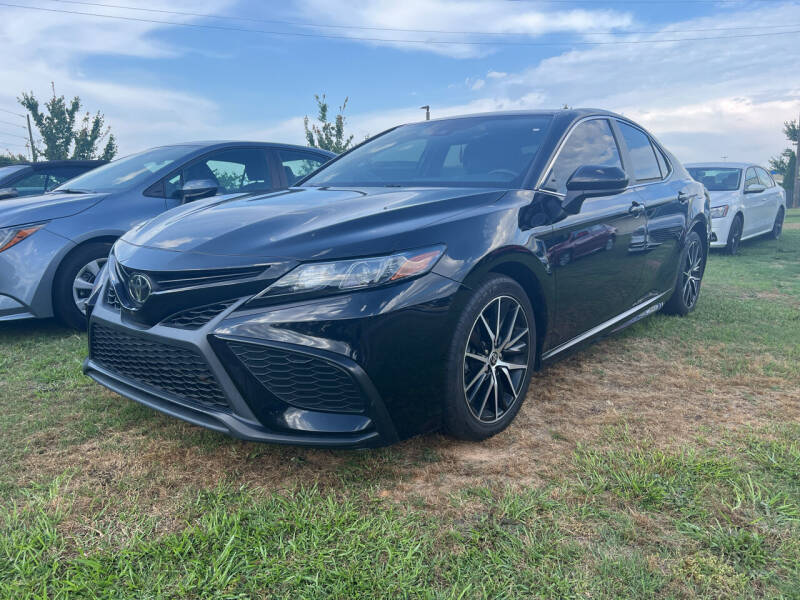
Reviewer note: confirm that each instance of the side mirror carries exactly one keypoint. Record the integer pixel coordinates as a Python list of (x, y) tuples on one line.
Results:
[(6, 193), (197, 189), (590, 181), (754, 188)]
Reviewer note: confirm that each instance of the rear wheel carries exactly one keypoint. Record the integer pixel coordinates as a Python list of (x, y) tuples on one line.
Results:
[(74, 281), (777, 227), (687, 287), (735, 235), (490, 360)]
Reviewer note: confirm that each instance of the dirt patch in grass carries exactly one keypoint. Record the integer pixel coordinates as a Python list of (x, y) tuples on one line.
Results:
[(642, 385), (791, 226)]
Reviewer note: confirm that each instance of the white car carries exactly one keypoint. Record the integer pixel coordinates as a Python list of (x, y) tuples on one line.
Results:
[(745, 202)]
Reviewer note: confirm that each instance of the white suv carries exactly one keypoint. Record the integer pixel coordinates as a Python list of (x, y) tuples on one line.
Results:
[(745, 202)]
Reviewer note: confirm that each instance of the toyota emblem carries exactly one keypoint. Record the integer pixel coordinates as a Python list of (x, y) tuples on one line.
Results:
[(140, 287)]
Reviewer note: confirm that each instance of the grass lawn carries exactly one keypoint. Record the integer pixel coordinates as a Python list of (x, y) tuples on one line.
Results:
[(662, 462)]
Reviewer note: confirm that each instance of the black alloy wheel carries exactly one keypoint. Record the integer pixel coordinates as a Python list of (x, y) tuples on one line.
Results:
[(687, 287), (490, 361)]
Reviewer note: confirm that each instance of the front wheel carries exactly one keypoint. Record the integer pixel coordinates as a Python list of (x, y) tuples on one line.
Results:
[(777, 226), (687, 288), (735, 235), (490, 360), (74, 281)]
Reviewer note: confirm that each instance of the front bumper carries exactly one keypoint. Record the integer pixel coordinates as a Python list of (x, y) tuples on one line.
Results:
[(26, 275), (719, 230), (357, 370)]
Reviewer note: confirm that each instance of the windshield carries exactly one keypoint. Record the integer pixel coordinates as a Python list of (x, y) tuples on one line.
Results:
[(127, 172), (474, 151), (6, 171), (717, 179)]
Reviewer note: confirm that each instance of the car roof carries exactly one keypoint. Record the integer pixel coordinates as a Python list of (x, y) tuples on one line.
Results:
[(215, 144), (42, 164), (566, 113), (721, 165)]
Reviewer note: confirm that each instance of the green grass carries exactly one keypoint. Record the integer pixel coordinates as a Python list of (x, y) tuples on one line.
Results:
[(100, 498)]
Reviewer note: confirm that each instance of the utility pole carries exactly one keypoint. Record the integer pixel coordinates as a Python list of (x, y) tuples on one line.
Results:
[(427, 109), (30, 136)]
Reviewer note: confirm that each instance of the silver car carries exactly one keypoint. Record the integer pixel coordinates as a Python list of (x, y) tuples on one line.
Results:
[(53, 246), (745, 202)]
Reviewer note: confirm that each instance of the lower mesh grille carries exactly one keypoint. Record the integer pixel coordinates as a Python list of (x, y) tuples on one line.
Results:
[(301, 380), (194, 318), (179, 371)]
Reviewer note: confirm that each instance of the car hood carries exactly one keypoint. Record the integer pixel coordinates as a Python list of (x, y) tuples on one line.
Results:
[(31, 209), (307, 223), (720, 198)]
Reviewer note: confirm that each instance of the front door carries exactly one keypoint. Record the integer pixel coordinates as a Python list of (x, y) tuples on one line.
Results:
[(593, 254)]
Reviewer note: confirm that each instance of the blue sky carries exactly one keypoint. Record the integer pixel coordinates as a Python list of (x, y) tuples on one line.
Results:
[(159, 83)]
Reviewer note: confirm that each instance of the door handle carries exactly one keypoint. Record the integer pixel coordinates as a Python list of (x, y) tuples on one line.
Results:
[(683, 197), (636, 209)]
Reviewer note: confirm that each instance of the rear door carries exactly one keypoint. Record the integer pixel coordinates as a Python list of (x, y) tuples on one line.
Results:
[(666, 199), (753, 204), (772, 198), (597, 274)]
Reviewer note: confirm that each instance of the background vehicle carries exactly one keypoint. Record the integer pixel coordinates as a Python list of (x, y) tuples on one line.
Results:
[(745, 202), (72, 228), (32, 179), (407, 285)]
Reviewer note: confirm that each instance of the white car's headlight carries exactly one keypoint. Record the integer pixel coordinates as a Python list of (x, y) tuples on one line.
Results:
[(355, 274), (719, 211), (11, 236)]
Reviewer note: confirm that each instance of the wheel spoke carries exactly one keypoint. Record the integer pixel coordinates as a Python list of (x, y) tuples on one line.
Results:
[(511, 326), (488, 329), (93, 267), (477, 357), (486, 398), (480, 376), (496, 386), (510, 344), (83, 284), (496, 338), (507, 373), (512, 366)]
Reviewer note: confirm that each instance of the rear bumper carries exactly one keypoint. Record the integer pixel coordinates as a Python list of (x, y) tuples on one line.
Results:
[(322, 373)]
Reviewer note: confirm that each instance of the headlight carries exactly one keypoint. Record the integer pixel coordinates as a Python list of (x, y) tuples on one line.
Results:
[(719, 211), (11, 236), (354, 274)]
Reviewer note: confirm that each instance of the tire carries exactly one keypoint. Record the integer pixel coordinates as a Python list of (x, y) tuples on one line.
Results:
[(692, 264), (480, 370), (83, 261), (735, 235), (777, 227)]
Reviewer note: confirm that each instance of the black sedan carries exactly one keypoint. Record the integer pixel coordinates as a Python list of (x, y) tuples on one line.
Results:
[(33, 179), (413, 283)]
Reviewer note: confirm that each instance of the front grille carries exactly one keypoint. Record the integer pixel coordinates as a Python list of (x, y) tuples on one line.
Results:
[(301, 380), (173, 369), (171, 280), (194, 318), (111, 297)]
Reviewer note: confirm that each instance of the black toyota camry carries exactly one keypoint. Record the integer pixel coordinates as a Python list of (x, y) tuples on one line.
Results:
[(412, 284)]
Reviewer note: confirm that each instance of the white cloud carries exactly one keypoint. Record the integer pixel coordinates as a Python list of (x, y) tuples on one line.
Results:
[(385, 21), (496, 74), (40, 47), (477, 84)]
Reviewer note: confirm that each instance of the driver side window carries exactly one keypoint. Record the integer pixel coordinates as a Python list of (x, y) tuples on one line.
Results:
[(234, 170), (589, 143)]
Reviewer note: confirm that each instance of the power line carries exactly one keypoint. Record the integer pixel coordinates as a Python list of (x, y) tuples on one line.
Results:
[(13, 135), (392, 29), (13, 124), (393, 40), (11, 113)]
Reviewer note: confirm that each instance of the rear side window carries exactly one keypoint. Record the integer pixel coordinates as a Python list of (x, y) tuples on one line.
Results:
[(643, 156), (61, 175), (589, 143), (297, 165), (663, 163), (764, 178)]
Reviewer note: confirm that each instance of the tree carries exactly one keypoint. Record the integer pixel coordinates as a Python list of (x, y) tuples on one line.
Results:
[(327, 135), (65, 133), (11, 159), (785, 163)]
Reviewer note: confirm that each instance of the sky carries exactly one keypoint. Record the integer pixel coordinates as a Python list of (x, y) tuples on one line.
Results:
[(720, 82)]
